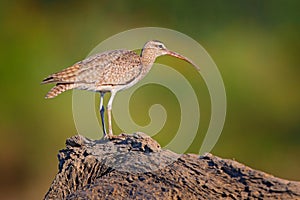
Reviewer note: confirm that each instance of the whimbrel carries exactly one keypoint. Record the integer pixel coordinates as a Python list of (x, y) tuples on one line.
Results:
[(110, 71)]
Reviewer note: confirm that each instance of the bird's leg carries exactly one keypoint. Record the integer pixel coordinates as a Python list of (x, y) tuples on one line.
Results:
[(109, 107), (102, 110)]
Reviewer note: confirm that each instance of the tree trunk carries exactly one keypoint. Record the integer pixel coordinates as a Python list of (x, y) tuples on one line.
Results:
[(135, 167)]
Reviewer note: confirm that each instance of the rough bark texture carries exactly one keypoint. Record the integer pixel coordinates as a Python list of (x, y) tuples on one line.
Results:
[(135, 167)]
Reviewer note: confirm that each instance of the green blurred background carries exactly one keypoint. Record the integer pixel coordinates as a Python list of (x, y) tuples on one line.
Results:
[(254, 43)]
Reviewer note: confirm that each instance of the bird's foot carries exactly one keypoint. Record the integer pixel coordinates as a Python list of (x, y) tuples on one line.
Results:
[(109, 136), (112, 137)]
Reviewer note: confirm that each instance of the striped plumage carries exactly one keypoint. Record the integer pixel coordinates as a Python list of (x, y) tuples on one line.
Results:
[(100, 72), (109, 71), (59, 88)]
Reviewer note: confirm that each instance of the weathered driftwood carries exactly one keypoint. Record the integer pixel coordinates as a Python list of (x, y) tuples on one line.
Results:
[(135, 167)]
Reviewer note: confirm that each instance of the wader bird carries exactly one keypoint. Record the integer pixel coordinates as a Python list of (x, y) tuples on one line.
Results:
[(110, 71)]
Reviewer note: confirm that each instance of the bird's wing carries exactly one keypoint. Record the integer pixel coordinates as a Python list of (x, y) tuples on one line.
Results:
[(107, 68), (67, 75), (125, 67)]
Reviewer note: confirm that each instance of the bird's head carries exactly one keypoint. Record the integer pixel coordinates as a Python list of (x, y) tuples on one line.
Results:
[(155, 48)]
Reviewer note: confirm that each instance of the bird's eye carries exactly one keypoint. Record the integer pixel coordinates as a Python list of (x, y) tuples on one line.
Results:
[(160, 46)]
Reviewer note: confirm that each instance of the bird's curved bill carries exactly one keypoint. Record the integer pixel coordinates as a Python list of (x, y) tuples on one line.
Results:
[(177, 55)]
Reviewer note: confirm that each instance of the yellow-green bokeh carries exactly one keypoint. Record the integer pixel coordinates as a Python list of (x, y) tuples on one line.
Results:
[(255, 44)]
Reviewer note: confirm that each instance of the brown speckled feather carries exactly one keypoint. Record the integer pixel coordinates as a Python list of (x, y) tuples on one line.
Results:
[(66, 75), (111, 68), (59, 88)]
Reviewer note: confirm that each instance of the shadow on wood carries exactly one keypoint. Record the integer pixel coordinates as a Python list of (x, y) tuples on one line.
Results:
[(135, 167)]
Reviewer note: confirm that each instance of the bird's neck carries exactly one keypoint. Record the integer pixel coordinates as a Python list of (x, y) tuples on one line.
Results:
[(147, 59)]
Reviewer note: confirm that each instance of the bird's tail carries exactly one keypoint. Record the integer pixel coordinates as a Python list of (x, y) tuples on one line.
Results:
[(59, 88)]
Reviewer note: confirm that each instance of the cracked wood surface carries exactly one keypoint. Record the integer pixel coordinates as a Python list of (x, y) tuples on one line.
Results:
[(135, 167)]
